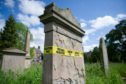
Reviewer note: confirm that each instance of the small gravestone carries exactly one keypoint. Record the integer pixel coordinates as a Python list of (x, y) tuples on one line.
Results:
[(63, 52), (13, 59), (104, 56)]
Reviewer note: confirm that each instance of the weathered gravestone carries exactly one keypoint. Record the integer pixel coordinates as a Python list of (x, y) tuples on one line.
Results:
[(13, 59), (17, 60), (104, 56), (63, 52)]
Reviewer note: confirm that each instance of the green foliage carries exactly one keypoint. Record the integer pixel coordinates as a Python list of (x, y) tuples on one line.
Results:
[(95, 75), (120, 68), (21, 30), (29, 76), (0, 38), (9, 35), (95, 56), (87, 58), (116, 43), (114, 78), (13, 34), (92, 56), (32, 52)]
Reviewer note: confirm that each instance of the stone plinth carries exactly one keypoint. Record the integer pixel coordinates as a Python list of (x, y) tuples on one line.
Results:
[(13, 59), (62, 30)]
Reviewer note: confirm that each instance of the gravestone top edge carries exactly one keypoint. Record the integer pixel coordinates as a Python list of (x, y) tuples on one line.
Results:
[(66, 13), (58, 15), (13, 50)]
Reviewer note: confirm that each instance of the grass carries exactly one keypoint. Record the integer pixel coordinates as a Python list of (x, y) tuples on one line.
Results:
[(120, 68), (94, 75), (32, 75)]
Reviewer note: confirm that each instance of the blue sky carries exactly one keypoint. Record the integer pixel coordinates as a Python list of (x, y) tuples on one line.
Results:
[(96, 17)]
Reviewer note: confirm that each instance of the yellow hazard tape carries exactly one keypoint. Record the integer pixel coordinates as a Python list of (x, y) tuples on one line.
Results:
[(62, 51)]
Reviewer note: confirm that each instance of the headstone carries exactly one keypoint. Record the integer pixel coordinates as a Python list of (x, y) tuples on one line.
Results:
[(13, 59), (63, 52), (104, 56), (27, 50)]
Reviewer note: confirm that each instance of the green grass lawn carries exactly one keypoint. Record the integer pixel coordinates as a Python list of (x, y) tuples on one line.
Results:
[(94, 75), (32, 75)]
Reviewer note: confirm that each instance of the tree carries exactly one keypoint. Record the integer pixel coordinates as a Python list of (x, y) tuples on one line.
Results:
[(13, 34), (87, 57), (9, 35), (95, 55), (21, 30), (32, 52), (0, 39), (116, 43)]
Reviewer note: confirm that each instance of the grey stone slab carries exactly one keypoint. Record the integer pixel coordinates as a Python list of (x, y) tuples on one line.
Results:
[(13, 50), (14, 63)]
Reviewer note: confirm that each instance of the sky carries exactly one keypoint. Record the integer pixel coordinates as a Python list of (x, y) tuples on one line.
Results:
[(96, 17)]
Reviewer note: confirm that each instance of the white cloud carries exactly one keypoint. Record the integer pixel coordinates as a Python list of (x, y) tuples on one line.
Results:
[(121, 17), (85, 39), (89, 31), (2, 21), (38, 37), (32, 7), (28, 20), (88, 48), (10, 3), (30, 10), (102, 22), (83, 23)]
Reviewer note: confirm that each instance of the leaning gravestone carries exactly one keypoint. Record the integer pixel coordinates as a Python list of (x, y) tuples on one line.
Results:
[(104, 56), (63, 52)]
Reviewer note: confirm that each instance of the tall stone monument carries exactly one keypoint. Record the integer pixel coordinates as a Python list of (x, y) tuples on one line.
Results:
[(27, 50), (104, 56), (63, 52), (27, 43)]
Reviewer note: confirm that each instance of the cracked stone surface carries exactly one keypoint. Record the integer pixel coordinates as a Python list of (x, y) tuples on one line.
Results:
[(63, 69), (67, 70), (62, 30)]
